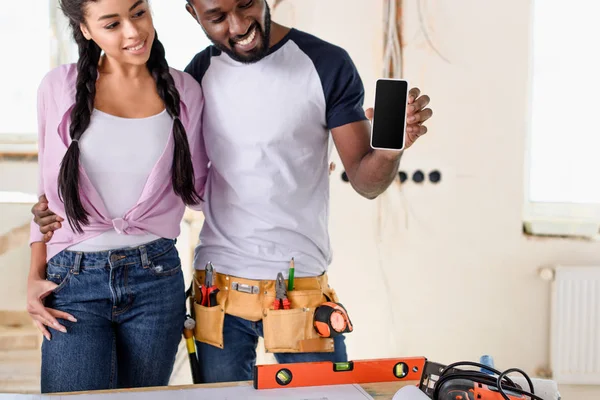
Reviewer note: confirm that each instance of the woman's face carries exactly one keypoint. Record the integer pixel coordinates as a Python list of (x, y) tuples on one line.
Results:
[(122, 28)]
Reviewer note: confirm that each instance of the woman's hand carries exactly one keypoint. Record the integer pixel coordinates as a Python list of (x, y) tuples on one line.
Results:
[(37, 290)]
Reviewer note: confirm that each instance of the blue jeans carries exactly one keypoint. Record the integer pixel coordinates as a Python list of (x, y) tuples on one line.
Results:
[(236, 361), (130, 310)]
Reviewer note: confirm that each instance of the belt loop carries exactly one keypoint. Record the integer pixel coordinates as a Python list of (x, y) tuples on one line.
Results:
[(144, 257), (77, 262)]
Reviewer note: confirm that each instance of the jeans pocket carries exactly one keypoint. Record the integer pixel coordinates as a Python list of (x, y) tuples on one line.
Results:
[(58, 274), (165, 264)]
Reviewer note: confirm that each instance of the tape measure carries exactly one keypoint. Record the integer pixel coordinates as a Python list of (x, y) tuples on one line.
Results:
[(331, 319)]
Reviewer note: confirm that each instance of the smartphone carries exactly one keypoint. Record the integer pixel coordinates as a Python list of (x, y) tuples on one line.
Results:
[(388, 128)]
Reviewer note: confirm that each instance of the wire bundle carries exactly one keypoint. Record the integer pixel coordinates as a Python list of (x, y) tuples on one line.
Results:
[(392, 56)]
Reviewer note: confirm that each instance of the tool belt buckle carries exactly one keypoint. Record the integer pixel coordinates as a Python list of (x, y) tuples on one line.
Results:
[(244, 288)]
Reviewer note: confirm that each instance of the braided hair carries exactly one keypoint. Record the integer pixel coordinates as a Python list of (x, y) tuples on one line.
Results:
[(182, 175)]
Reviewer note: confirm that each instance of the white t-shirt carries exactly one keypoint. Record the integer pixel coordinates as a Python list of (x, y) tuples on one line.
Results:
[(118, 155), (266, 128)]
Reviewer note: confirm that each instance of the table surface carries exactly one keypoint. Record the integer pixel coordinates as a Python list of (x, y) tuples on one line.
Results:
[(379, 391)]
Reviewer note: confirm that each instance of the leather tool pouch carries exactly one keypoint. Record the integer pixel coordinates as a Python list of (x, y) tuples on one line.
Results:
[(209, 320), (285, 331), (292, 331)]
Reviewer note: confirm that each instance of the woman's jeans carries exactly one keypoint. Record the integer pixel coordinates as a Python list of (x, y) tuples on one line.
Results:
[(130, 310)]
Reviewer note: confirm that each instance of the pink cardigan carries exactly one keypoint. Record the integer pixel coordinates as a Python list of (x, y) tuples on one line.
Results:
[(158, 211)]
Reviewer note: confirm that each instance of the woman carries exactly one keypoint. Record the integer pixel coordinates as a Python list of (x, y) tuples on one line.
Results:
[(120, 156)]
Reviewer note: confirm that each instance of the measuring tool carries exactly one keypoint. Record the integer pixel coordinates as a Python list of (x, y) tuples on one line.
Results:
[(331, 319), (338, 373)]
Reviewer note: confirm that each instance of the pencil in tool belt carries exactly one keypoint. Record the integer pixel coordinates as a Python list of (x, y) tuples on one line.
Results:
[(188, 334), (291, 276)]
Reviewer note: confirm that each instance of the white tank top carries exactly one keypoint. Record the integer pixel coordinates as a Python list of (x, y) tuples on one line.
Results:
[(118, 155)]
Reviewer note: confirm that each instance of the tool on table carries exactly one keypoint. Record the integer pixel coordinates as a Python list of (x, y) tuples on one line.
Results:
[(209, 291), (291, 276), (440, 382), (281, 301), (331, 319), (271, 376), (465, 389), (188, 334)]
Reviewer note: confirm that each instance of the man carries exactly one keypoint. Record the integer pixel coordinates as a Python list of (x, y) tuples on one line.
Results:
[(272, 96)]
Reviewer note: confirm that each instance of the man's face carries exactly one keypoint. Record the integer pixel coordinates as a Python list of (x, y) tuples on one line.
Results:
[(240, 28)]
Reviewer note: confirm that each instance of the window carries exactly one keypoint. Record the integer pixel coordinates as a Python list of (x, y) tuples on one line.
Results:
[(28, 37), (562, 190), (38, 39)]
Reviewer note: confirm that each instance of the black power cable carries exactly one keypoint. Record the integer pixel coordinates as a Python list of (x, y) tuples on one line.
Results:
[(502, 382)]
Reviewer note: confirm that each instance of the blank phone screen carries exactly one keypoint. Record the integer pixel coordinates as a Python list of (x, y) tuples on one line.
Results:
[(389, 114)]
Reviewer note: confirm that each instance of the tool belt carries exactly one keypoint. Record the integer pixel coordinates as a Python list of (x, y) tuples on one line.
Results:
[(285, 330)]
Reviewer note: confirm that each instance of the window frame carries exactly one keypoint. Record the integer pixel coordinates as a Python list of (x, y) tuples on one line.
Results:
[(551, 218)]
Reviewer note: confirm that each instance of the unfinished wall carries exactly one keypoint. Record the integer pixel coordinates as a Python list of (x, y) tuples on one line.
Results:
[(404, 262)]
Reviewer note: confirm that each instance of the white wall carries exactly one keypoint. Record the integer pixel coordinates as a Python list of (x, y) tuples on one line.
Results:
[(404, 262)]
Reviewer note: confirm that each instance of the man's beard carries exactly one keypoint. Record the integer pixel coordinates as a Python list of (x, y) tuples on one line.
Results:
[(258, 53)]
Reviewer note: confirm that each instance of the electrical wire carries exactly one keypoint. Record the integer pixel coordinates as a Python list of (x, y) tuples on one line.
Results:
[(425, 33), (502, 382), (392, 55), (508, 371)]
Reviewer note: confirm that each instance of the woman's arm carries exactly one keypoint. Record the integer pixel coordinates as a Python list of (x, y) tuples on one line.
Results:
[(38, 287)]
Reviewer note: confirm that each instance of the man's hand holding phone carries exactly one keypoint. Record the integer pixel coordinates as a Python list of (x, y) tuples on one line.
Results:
[(400, 116)]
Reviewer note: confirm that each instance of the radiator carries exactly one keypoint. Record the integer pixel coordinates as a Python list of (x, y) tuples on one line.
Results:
[(575, 326)]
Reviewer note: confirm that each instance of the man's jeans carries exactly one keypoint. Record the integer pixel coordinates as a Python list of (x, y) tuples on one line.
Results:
[(236, 361), (130, 310)]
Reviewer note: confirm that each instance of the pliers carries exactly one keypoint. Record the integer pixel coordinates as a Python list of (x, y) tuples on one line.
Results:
[(281, 301), (209, 290)]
